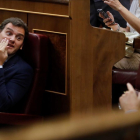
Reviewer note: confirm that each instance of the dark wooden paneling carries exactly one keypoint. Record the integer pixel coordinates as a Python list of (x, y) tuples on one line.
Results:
[(57, 61), (49, 23), (44, 7), (58, 30), (6, 14)]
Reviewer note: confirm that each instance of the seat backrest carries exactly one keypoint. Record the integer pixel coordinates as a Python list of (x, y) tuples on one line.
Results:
[(35, 52)]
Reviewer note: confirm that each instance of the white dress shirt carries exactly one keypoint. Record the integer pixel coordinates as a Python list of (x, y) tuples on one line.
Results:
[(135, 10)]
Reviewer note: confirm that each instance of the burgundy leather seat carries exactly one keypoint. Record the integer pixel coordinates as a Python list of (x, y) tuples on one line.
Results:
[(121, 77), (35, 52)]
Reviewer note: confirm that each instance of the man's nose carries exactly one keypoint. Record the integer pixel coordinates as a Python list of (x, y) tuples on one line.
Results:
[(12, 39)]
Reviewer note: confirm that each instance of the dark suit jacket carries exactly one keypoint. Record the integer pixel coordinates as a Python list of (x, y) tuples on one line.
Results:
[(15, 78), (95, 20)]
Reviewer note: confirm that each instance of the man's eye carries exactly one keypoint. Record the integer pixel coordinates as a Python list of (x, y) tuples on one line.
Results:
[(8, 33), (19, 38)]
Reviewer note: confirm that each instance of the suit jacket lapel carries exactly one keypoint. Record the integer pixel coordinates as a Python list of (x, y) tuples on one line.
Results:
[(11, 62)]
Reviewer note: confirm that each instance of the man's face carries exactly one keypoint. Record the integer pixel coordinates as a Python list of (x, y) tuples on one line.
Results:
[(15, 35)]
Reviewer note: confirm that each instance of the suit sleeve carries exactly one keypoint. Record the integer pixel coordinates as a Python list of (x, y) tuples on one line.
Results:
[(12, 91)]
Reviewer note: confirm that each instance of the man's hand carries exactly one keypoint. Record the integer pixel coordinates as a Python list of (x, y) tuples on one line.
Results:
[(115, 4), (3, 51), (130, 100)]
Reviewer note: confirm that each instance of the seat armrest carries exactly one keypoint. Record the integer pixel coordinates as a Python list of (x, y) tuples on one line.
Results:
[(120, 76)]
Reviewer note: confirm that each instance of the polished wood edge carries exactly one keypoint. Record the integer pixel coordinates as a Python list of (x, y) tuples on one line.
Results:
[(50, 1), (50, 91), (49, 31), (38, 13), (66, 82)]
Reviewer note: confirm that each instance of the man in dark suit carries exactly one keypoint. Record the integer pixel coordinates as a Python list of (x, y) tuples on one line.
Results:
[(96, 21), (15, 73)]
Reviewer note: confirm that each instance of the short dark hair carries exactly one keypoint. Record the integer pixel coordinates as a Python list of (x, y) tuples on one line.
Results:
[(16, 22)]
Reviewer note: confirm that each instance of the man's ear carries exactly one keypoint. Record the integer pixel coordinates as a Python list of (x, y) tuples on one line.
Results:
[(21, 47)]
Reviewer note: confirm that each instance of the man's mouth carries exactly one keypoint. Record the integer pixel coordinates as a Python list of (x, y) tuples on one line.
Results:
[(10, 46)]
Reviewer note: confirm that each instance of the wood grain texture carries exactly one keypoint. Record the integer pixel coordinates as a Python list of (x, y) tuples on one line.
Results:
[(92, 55), (43, 7), (8, 14), (56, 24), (57, 61)]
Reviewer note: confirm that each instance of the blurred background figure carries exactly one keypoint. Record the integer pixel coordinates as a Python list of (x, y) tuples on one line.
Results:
[(96, 21)]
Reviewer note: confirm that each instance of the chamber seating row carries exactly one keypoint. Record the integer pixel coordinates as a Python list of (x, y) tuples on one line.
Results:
[(120, 77), (86, 86), (28, 110)]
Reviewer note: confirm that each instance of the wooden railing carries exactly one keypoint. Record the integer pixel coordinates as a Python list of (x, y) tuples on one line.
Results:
[(101, 126)]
